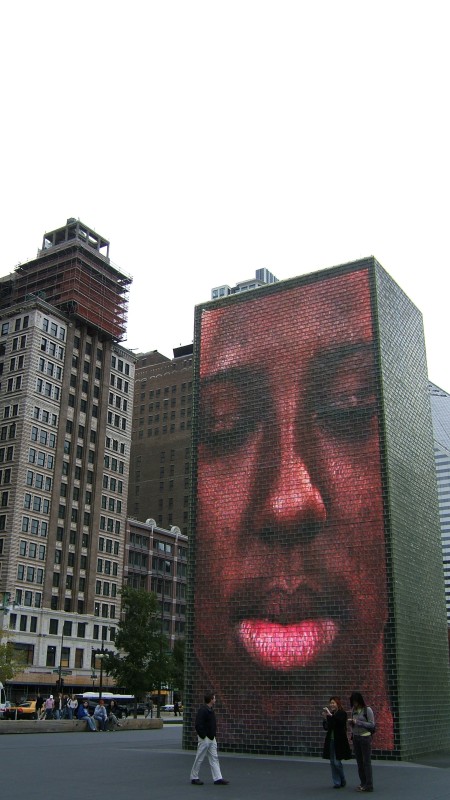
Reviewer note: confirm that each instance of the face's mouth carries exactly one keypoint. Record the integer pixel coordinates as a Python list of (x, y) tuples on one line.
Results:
[(286, 647), (287, 626)]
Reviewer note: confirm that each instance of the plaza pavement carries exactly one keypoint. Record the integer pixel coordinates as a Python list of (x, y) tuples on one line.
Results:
[(152, 764)]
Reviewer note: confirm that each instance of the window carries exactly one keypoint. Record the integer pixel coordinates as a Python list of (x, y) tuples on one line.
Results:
[(53, 627)]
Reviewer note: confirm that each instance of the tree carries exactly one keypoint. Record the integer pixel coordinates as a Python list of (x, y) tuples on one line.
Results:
[(11, 662), (144, 658)]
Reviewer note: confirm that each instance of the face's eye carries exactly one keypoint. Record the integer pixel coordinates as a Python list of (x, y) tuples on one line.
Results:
[(347, 402), (230, 410)]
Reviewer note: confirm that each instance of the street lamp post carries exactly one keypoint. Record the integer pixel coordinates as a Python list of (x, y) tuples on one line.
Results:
[(101, 656), (158, 709)]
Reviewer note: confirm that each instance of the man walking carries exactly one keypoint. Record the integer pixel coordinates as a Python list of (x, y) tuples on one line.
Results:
[(205, 725)]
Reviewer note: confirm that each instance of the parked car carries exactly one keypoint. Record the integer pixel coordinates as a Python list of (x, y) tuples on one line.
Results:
[(25, 710), (4, 709), (169, 707)]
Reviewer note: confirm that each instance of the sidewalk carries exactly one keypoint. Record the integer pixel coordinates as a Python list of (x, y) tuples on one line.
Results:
[(151, 764)]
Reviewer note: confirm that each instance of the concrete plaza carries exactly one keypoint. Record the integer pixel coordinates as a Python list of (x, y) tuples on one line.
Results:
[(151, 764)]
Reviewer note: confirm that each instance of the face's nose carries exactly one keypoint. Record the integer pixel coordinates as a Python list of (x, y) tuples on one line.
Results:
[(293, 502)]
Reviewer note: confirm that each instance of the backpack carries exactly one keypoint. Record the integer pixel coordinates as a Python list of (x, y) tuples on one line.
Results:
[(367, 718)]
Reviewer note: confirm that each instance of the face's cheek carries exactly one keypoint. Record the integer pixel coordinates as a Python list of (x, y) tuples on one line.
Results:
[(353, 542), (225, 492)]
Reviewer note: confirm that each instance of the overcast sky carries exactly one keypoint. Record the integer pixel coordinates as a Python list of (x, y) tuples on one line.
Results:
[(207, 139)]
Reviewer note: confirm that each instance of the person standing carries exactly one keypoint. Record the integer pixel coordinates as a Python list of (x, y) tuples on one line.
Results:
[(336, 746), (39, 704), (49, 705), (149, 706), (205, 726), (363, 725), (72, 707)]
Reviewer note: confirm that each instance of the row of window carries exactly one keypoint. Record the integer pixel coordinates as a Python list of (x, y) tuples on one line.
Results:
[(6, 454), (104, 610), (108, 567), (117, 421), (120, 385), (5, 476), (75, 514), (106, 588), (32, 550), (86, 367), (20, 323), (82, 431), (120, 365), (14, 384), (16, 363), (43, 387), (118, 401), (30, 574), (111, 504), (8, 431), (115, 445), (50, 369), (165, 429), (43, 415), (11, 411), (53, 329), (37, 527), (113, 484), (43, 436), (108, 546), (110, 525), (25, 597), (74, 539), (52, 349), (38, 480), (114, 464), (87, 348), (38, 457), (36, 503)]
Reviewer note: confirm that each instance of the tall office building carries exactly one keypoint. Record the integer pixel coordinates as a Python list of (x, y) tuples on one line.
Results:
[(160, 452), (440, 412), (263, 277), (66, 400)]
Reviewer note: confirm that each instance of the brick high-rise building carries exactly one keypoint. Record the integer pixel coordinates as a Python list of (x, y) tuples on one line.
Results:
[(160, 453), (66, 400)]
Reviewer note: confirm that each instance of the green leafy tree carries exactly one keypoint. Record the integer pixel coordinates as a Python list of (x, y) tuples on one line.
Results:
[(143, 661), (11, 662)]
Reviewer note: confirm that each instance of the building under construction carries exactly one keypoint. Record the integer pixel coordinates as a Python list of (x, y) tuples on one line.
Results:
[(66, 402), (73, 273)]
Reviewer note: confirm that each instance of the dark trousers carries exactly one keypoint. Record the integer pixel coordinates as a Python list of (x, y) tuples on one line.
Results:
[(362, 746)]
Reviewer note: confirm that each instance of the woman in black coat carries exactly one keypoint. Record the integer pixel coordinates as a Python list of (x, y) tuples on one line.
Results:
[(336, 746)]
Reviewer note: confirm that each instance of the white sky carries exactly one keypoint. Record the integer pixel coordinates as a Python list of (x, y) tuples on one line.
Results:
[(207, 139)]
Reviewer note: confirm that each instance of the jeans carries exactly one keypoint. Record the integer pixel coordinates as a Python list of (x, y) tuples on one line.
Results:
[(362, 746), (337, 770)]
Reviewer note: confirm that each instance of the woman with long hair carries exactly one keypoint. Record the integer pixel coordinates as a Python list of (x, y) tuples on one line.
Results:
[(363, 726), (336, 746)]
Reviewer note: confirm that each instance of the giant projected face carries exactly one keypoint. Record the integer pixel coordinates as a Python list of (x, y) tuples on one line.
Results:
[(290, 586)]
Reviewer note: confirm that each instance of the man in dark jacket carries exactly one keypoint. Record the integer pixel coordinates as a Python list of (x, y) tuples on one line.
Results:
[(205, 725)]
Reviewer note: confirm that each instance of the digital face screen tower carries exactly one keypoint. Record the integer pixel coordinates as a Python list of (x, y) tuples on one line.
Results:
[(291, 541)]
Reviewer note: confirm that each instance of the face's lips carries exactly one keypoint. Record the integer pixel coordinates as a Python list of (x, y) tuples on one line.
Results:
[(286, 647)]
